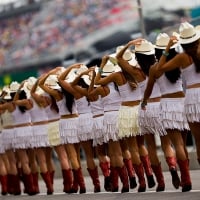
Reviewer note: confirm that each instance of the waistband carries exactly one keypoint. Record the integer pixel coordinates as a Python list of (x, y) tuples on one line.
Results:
[(130, 103), (39, 123), (196, 85), (174, 95), (22, 125), (69, 116), (98, 115), (53, 120), (8, 127), (156, 99)]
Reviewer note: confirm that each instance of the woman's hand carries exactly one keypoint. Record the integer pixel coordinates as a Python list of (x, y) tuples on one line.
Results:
[(137, 41)]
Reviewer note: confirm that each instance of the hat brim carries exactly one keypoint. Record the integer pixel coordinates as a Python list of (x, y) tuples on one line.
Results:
[(164, 47), (189, 40), (56, 87), (146, 52)]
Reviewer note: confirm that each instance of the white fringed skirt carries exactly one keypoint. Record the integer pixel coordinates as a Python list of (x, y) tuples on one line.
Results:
[(192, 104), (2, 148), (40, 137), (172, 113), (98, 131), (69, 130), (53, 133), (149, 120), (7, 138), (110, 126), (128, 124), (85, 127), (23, 137)]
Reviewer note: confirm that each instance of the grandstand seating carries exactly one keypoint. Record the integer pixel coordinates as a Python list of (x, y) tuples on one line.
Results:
[(59, 27)]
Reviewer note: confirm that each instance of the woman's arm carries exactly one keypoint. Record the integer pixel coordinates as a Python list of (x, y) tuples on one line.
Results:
[(38, 98), (104, 80), (149, 87), (175, 62)]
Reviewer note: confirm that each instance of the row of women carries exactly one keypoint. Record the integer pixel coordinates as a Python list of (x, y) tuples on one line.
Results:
[(112, 107)]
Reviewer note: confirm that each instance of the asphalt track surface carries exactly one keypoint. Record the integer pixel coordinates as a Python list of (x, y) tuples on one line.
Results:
[(169, 194)]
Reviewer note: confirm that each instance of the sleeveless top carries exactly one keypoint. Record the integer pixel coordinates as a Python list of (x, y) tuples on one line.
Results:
[(113, 100), (155, 92), (63, 109), (51, 114), (21, 118), (97, 107), (129, 94), (166, 87), (7, 119), (82, 105), (38, 114), (190, 75)]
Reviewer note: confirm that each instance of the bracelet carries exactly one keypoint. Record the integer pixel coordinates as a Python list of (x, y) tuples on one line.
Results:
[(100, 70), (165, 53), (144, 103)]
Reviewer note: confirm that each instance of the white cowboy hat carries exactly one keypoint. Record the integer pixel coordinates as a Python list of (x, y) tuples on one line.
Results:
[(109, 68), (52, 81), (162, 41), (30, 82), (128, 55), (145, 47), (14, 86), (7, 90), (188, 33)]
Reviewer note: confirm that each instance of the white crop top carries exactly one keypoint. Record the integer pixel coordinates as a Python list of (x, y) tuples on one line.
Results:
[(7, 119), (155, 92), (129, 94), (113, 100), (51, 114), (97, 107), (190, 75), (63, 109), (21, 118), (38, 114), (82, 105), (166, 87)]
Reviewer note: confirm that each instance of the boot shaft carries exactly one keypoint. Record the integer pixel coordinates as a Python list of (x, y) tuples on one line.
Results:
[(95, 178), (105, 168)]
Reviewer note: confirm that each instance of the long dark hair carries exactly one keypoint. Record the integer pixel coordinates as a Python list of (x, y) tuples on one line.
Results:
[(69, 99), (145, 61), (54, 105), (191, 50), (22, 95), (172, 75)]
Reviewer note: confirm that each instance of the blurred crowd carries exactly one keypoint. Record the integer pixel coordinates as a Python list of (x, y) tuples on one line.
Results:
[(59, 25)]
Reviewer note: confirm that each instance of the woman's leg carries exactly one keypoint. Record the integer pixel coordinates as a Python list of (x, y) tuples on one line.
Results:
[(155, 163), (65, 167), (76, 168), (91, 166), (144, 157), (128, 163), (176, 138), (117, 166), (137, 163), (104, 163)]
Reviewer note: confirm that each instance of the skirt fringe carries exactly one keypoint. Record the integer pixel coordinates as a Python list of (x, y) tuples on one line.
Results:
[(110, 126), (149, 120), (23, 137), (172, 113), (69, 130), (40, 137), (53, 133), (85, 127), (192, 104), (128, 124)]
